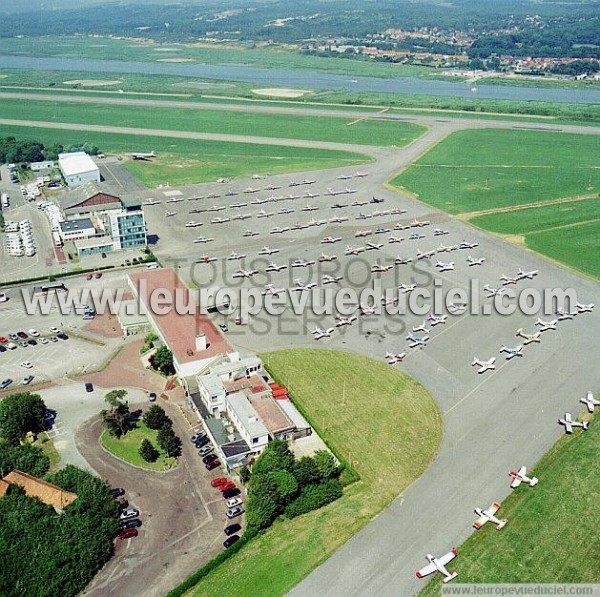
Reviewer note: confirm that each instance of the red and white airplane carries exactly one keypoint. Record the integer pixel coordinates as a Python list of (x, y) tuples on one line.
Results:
[(489, 516), (590, 401), (520, 476), (568, 422), (439, 565)]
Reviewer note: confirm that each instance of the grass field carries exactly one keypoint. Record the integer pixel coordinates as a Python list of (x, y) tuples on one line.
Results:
[(481, 169), (185, 161), (552, 531), (127, 448), (324, 128), (373, 425)]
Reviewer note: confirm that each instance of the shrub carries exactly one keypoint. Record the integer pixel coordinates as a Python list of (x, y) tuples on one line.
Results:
[(156, 418), (168, 441), (148, 452), (276, 456), (313, 497)]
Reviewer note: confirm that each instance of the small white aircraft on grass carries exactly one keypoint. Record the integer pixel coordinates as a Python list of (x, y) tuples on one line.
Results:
[(517, 351), (203, 239), (568, 422), (395, 239), (240, 217), (529, 338), (235, 256), (251, 190), (360, 174), (310, 195), (457, 308), (268, 251), (273, 267), (309, 207), (396, 211), (546, 325), (237, 205), (368, 310), (213, 196), (407, 287), (359, 203), (353, 250), (230, 193), (328, 279), (522, 274), (362, 216), (377, 268), (330, 240), (272, 290), (272, 187), (584, 308), (489, 365), (475, 261), (489, 516), (302, 263), (300, 286), (244, 273), (439, 565), (417, 340), (444, 267), (143, 156), (520, 476), (259, 201), (394, 357), (590, 401), (342, 321), (336, 220), (279, 230), (381, 230), (344, 176), (374, 246), (326, 258), (508, 280), (151, 202), (401, 227), (436, 319), (443, 248)]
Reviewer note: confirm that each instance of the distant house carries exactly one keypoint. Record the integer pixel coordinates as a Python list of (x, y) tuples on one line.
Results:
[(49, 494)]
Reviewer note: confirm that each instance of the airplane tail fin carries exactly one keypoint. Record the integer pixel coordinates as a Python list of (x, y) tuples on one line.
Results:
[(585, 425)]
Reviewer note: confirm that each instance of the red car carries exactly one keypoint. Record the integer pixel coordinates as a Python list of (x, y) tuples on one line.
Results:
[(3, 339), (219, 481), (128, 533), (213, 464), (229, 485)]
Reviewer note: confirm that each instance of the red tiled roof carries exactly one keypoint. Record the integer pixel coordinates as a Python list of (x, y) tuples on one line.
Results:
[(271, 414), (179, 330)]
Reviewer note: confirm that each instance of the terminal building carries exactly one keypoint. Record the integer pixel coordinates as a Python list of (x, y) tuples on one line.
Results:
[(78, 168)]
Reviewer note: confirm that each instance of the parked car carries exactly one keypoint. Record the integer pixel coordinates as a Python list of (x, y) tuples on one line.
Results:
[(13, 337), (152, 396), (3, 339), (209, 458), (129, 513), (230, 541), (202, 442), (223, 327), (54, 329), (22, 335), (26, 365), (197, 436), (31, 342), (23, 344), (232, 528), (27, 380), (229, 493), (213, 464), (34, 333), (117, 491), (53, 339), (43, 340), (228, 485), (128, 533), (131, 524), (219, 481), (233, 512), (62, 336), (205, 450), (2, 348), (5, 383), (233, 502), (89, 387)]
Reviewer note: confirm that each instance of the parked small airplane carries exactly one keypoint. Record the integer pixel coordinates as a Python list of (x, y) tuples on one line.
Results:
[(272, 290), (568, 422), (374, 246), (260, 201), (302, 263), (285, 210), (192, 224), (421, 328), (251, 190), (378, 268), (443, 248), (279, 230), (417, 340), (273, 267), (506, 280), (407, 287), (475, 261), (309, 207), (301, 286), (151, 202), (466, 245), (522, 274), (235, 256), (264, 214), (143, 156), (250, 233), (590, 401), (240, 217), (517, 351), (395, 239), (584, 308), (206, 259), (272, 187), (444, 267), (330, 240), (546, 325), (529, 338), (419, 223), (244, 273), (268, 251), (326, 258), (359, 203), (343, 321), (401, 226), (329, 279), (361, 233), (456, 308), (489, 365), (362, 216), (318, 333), (397, 211), (437, 319), (238, 205), (353, 250), (339, 205), (493, 291), (344, 176), (335, 220), (520, 476), (439, 565), (216, 208), (440, 232), (219, 220), (402, 260), (170, 214), (394, 357), (360, 174), (416, 236), (230, 193), (426, 255), (310, 195), (376, 200), (203, 239), (368, 310), (489, 516)]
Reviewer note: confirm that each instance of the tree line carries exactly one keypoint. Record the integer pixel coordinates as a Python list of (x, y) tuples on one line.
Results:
[(20, 151)]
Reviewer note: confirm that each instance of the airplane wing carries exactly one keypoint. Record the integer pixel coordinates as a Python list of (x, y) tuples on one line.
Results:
[(427, 570), (480, 522), (492, 509), (443, 560)]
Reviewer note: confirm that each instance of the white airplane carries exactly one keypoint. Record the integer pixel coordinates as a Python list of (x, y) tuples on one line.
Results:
[(235, 256), (206, 259), (279, 230), (466, 245), (437, 319), (378, 268), (416, 236), (310, 195), (260, 201), (444, 267), (300, 286), (489, 365), (151, 202), (309, 207), (271, 289), (244, 273), (308, 181), (328, 279), (237, 205), (522, 274), (407, 287), (529, 338), (506, 280), (455, 308), (268, 251), (143, 156), (219, 220), (493, 291), (230, 193), (353, 250), (361, 233), (213, 196), (334, 193), (250, 233), (394, 357), (374, 246), (390, 301), (517, 351), (381, 230), (344, 176), (590, 401), (240, 217), (562, 314), (326, 258), (520, 476), (396, 211), (203, 239), (350, 191), (285, 210), (474, 261), (440, 232), (419, 223), (421, 328), (335, 220), (273, 267), (342, 321), (251, 190), (368, 310), (401, 226), (360, 174), (439, 565), (489, 516), (362, 216), (215, 208), (426, 255), (569, 423), (546, 325), (330, 240), (402, 260), (170, 214), (395, 239), (584, 308), (443, 248), (272, 187), (264, 214), (417, 340), (302, 263), (192, 224), (318, 333)]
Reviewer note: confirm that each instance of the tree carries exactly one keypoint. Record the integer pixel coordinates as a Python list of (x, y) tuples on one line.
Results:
[(20, 414), (325, 464), (168, 441), (148, 452), (287, 486), (263, 501), (23, 457), (244, 473), (162, 360), (306, 471), (156, 418), (276, 456), (116, 419), (313, 497)]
